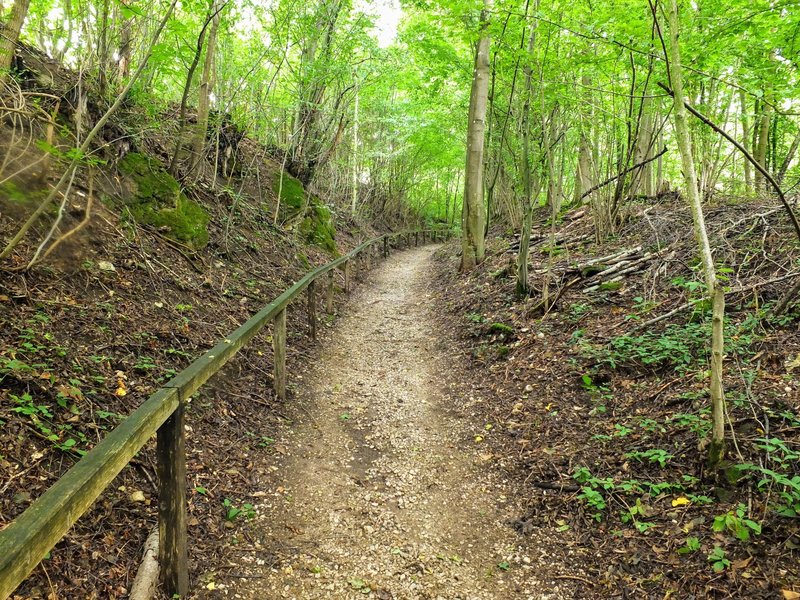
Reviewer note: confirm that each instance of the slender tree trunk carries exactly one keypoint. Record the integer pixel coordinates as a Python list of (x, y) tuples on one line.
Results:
[(102, 50), (455, 199), (745, 118), (788, 159), (123, 67), (527, 186), (10, 34), (643, 177), (551, 140), (354, 191), (714, 289), (473, 211), (763, 143), (583, 169), (173, 165), (204, 99)]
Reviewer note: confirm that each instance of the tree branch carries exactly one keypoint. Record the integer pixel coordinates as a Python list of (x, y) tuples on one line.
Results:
[(625, 172)]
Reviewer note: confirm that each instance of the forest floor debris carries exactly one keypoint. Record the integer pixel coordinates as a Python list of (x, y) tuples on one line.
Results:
[(601, 407)]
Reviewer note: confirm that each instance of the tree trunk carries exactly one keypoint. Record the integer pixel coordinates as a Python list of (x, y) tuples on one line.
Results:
[(527, 187), (643, 178), (102, 50), (204, 100), (306, 144), (748, 173), (10, 35), (173, 165), (473, 212), (354, 191), (583, 169), (763, 143), (714, 289), (123, 67)]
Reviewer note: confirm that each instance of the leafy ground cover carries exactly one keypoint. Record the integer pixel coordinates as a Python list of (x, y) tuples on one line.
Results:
[(603, 422)]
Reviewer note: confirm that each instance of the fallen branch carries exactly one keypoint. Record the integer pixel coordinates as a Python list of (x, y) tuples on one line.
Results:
[(691, 303), (546, 304), (558, 487), (610, 258), (146, 580)]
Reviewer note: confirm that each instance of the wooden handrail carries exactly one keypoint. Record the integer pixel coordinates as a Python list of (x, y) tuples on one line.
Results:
[(27, 539)]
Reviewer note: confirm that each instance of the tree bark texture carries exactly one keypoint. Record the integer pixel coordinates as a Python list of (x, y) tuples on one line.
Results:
[(473, 212)]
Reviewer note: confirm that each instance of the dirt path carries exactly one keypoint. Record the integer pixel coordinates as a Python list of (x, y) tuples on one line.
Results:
[(375, 494)]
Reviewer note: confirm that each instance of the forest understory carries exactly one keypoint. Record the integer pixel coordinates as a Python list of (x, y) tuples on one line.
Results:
[(122, 305), (625, 293), (600, 406)]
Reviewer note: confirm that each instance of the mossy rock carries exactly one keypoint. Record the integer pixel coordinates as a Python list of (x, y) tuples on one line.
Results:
[(158, 201), (317, 227), (293, 196)]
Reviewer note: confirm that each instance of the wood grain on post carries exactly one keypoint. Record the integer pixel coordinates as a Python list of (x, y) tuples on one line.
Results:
[(347, 276), (171, 467), (329, 302), (312, 309), (279, 352)]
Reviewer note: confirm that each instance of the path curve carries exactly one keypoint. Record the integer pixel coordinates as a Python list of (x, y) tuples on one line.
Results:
[(376, 495)]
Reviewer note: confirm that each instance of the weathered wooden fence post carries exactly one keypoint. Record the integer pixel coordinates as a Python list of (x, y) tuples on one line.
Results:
[(312, 309), (279, 353), (171, 470), (346, 276), (416, 238), (329, 303)]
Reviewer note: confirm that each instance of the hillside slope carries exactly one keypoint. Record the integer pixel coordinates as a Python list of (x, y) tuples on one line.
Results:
[(154, 272), (599, 407)]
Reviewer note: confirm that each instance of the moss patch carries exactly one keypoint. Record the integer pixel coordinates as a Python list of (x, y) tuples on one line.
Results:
[(19, 195), (293, 196), (158, 201), (317, 227)]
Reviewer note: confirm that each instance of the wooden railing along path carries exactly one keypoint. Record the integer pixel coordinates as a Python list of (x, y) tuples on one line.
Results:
[(26, 541)]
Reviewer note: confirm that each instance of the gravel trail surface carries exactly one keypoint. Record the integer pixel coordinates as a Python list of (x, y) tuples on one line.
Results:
[(378, 489)]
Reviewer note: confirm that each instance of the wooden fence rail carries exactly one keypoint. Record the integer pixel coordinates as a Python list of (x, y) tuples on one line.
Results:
[(25, 541)]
